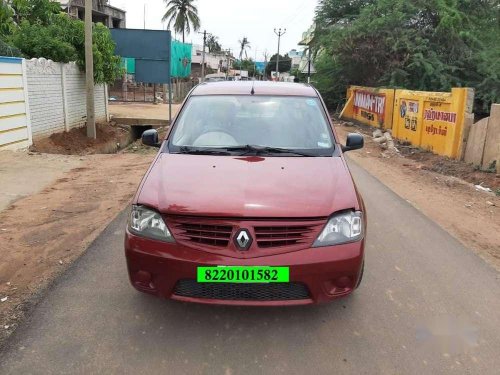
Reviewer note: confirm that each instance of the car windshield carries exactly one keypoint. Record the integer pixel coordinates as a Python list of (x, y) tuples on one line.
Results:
[(253, 122)]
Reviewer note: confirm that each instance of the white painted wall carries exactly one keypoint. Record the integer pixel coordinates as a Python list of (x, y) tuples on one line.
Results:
[(14, 108), (57, 97)]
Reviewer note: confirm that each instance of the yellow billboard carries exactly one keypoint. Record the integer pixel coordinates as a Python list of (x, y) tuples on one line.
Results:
[(431, 120), (370, 106)]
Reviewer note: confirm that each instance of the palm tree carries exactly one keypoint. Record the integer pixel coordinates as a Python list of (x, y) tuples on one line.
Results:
[(213, 44), (244, 44), (183, 14)]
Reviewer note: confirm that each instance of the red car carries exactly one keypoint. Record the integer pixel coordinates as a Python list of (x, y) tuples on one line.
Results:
[(248, 202)]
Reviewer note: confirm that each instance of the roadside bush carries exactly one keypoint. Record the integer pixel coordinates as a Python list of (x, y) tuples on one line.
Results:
[(63, 40), (8, 50), (430, 45)]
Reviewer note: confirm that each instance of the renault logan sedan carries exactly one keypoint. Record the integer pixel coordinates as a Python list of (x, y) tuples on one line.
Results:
[(248, 202)]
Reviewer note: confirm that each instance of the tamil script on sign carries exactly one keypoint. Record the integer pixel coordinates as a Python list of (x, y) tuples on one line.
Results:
[(432, 115)]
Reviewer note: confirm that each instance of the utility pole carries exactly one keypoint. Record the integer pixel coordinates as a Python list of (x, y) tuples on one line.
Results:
[(203, 56), (255, 64), (309, 66), (265, 54), (279, 33), (89, 71)]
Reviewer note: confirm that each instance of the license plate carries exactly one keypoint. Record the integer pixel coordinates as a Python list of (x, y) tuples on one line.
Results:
[(243, 274)]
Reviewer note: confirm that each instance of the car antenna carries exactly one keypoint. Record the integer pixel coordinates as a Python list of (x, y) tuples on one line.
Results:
[(252, 92)]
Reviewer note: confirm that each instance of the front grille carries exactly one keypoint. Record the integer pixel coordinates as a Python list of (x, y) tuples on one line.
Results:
[(213, 235), (275, 236), (242, 292)]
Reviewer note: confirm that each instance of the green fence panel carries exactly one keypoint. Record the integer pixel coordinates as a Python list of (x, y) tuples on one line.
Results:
[(129, 64), (180, 65)]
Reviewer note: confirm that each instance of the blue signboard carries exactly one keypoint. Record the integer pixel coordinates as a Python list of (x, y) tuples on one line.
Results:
[(150, 49), (261, 66)]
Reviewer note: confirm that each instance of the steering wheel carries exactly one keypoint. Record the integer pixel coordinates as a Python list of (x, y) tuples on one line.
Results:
[(215, 137)]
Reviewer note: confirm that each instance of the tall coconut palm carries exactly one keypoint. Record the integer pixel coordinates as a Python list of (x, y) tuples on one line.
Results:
[(183, 14), (244, 45)]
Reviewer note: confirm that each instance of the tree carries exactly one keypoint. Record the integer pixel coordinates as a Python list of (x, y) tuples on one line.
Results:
[(247, 64), (423, 45), (213, 44), (184, 16), (284, 64), (63, 40), (8, 50), (244, 45), (6, 19), (35, 11)]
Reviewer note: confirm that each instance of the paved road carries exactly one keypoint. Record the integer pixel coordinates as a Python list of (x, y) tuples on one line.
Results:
[(427, 306)]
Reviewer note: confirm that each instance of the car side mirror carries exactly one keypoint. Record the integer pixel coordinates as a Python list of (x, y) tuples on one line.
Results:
[(354, 141), (150, 138)]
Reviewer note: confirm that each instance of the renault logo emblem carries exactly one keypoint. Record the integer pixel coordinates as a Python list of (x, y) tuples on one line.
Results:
[(242, 239)]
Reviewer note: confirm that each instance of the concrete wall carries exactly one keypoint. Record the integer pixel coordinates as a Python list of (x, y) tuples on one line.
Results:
[(475, 143), (14, 108), (56, 94), (436, 121), (370, 106), (483, 143), (492, 142)]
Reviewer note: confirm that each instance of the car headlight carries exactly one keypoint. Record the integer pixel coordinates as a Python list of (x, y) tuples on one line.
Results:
[(341, 228), (148, 223)]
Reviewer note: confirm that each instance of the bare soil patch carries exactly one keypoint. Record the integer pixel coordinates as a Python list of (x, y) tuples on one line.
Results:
[(42, 234), (443, 189), (110, 138), (142, 110), (450, 167)]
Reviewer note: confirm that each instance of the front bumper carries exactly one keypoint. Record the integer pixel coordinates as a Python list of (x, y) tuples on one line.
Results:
[(328, 272)]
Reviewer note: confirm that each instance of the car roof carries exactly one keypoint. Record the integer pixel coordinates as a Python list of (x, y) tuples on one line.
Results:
[(259, 87)]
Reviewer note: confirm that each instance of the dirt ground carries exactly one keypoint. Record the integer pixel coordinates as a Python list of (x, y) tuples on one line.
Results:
[(450, 167), (142, 110), (138, 148), (43, 233), (23, 174), (110, 138), (471, 216)]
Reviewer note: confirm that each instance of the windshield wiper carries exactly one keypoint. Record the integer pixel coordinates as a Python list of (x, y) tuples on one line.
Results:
[(249, 149), (203, 151)]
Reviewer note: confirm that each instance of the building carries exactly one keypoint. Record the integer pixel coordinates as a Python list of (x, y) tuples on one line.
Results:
[(215, 62), (306, 65), (296, 57), (101, 12)]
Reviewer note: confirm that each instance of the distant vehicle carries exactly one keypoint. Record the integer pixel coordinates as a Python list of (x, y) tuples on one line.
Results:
[(248, 202), (216, 77)]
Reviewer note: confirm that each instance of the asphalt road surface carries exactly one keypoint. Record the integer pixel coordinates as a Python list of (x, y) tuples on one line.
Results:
[(427, 305)]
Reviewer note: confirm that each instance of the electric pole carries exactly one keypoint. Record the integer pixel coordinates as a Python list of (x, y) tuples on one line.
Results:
[(89, 71), (203, 56), (255, 64), (279, 33), (309, 66), (265, 54)]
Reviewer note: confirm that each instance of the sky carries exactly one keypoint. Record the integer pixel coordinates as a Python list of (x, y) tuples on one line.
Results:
[(232, 20)]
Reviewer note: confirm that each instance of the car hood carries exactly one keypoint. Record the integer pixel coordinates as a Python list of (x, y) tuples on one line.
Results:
[(225, 186)]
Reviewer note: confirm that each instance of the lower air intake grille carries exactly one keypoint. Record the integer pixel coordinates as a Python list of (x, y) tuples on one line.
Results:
[(242, 292)]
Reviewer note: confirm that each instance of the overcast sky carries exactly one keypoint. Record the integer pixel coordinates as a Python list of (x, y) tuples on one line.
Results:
[(231, 20)]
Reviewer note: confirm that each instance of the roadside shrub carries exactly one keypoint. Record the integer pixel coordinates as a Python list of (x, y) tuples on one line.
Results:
[(8, 50), (63, 40)]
